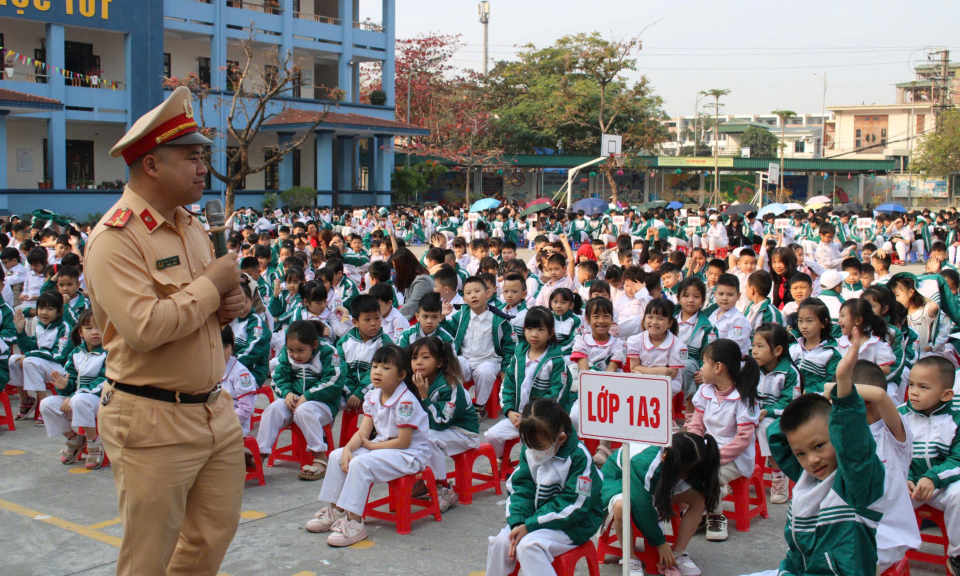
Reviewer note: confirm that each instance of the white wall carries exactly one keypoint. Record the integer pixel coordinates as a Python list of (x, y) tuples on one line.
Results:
[(29, 134)]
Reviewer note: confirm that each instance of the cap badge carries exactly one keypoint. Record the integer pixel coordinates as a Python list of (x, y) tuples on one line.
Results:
[(188, 108)]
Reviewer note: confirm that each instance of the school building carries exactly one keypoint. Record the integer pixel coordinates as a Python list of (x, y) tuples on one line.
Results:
[(78, 73)]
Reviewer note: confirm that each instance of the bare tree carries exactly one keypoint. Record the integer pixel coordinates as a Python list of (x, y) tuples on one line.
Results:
[(258, 95)]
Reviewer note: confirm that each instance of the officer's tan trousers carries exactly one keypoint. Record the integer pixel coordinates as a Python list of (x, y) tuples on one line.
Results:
[(179, 471)]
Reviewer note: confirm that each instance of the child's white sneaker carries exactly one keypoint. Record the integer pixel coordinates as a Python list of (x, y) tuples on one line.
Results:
[(324, 520), (347, 532), (636, 567), (716, 527), (685, 565), (779, 488), (446, 498)]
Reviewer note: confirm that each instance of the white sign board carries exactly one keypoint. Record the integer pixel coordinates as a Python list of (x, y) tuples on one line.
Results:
[(683, 212), (195, 208), (864, 223), (473, 217), (428, 214), (358, 214), (745, 152), (618, 221), (781, 223), (693, 221), (626, 407), (773, 172), (278, 213)]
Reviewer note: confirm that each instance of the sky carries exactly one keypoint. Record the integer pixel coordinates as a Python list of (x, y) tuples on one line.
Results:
[(766, 53)]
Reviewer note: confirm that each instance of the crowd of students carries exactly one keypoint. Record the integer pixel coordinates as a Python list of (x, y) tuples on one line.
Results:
[(795, 341)]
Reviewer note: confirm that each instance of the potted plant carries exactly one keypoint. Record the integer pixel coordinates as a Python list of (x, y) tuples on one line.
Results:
[(119, 184), (47, 183), (89, 184), (71, 184), (378, 97)]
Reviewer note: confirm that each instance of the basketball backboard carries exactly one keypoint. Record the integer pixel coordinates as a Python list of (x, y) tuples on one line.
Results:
[(610, 144)]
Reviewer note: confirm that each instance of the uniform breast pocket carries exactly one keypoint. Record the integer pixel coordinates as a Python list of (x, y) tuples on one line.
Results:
[(170, 281)]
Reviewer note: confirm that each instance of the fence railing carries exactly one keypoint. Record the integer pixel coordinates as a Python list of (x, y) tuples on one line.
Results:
[(317, 18), (269, 8), (368, 26)]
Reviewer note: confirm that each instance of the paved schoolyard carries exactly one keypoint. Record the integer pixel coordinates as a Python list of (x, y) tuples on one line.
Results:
[(59, 520)]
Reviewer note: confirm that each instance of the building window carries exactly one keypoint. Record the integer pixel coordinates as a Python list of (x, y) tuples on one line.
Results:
[(40, 55), (233, 161), (167, 69), (233, 75), (883, 137), (296, 167), (297, 81), (921, 119), (799, 146), (270, 77), (80, 162), (272, 174), (203, 71)]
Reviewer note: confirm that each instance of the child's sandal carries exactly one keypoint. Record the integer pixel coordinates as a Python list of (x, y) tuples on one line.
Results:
[(95, 455), (600, 458), (73, 450), (25, 409), (38, 419), (315, 471)]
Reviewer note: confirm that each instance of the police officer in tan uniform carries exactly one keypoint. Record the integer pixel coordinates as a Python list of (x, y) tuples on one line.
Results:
[(160, 298)]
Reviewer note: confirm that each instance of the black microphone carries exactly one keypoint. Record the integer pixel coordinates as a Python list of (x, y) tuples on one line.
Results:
[(216, 218)]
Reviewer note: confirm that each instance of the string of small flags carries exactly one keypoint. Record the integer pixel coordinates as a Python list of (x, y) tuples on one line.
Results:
[(54, 70)]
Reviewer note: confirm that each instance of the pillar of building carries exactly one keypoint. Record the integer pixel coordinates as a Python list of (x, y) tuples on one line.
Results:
[(324, 160), (57, 124), (3, 148), (346, 147), (345, 71), (382, 169), (285, 168), (389, 63)]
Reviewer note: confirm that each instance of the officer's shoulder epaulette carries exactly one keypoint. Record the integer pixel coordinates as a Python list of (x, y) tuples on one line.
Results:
[(119, 218)]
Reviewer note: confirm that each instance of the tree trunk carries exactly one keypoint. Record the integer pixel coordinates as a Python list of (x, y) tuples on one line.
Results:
[(229, 198), (613, 186), (467, 189)]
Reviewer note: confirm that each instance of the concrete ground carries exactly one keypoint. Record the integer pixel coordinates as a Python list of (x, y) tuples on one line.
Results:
[(60, 520)]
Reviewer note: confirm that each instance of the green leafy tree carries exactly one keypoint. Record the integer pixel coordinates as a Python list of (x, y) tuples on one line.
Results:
[(938, 153), (569, 94), (761, 142), (410, 183)]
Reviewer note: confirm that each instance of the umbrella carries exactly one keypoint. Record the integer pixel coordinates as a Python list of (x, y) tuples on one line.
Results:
[(739, 209), (793, 206), (851, 207), (775, 209), (815, 206), (590, 206), (890, 208), (675, 205), (484, 204), (533, 208), (546, 201), (817, 199)]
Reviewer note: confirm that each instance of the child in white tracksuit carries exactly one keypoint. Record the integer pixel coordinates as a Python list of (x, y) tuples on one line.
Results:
[(238, 382), (307, 391), (78, 395), (401, 447)]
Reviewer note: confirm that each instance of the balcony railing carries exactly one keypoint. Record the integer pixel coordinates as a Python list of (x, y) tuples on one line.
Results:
[(270, 8), (368, 26), (317, 18), (42, 79)]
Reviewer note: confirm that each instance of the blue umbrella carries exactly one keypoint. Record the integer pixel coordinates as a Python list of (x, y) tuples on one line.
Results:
[(775, 209), (485, 204), (590, 206), (674, 205), (890, 208)]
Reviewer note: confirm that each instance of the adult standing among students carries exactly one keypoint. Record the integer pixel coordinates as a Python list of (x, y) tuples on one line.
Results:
[(160, 299), (413, 280)]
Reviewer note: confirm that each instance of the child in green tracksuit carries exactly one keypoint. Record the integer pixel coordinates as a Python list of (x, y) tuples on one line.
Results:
[(684, 473), (830, 453), (307, 390), (553, 498), (356, 349), (454, 427), (252, 338), (550, 378)]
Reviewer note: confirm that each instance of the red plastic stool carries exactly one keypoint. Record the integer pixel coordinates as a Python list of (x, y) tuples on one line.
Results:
[(935, 516), (901, 568), (493, 403), (348, 426), (761, 461), (250, 443), (607, 545), (566, 563), (297, 451), (7, 419), (591, 444), (679, 407), (509, 464), (746, 506), (684, 249), (463, 473), (400, 502), (757, 248), (257, 412), (721, 253), (106, 461)]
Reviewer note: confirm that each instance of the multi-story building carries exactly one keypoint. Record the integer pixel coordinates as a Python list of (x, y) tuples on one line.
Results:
[(77, 73), (891, 131), (801, 133)]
